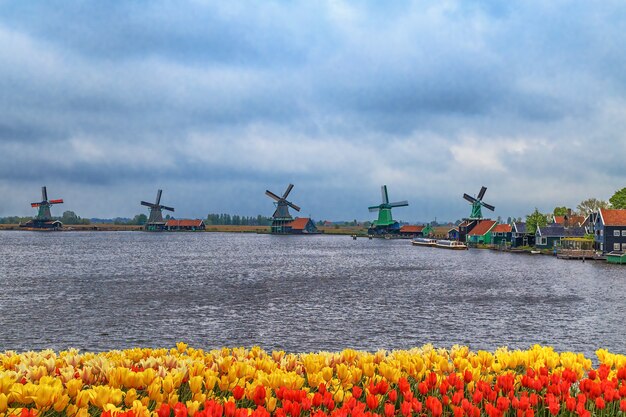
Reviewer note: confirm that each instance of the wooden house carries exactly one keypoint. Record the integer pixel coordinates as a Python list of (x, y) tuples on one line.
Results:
[(412, 231), (301, 226), (549, 237), (569, 220), (465, 227), (453, 234), (481, 233), (184, 224), (610, 230), (501, 235), (520, 236)]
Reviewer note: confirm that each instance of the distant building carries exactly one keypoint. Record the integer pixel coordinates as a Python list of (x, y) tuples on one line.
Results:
[(481, 233), (550, 236), (610, 230), (569, 220), (520, 236), (453, 234), (413, 231), (184, 224), (301, 226), (465, 227), (502, 234)]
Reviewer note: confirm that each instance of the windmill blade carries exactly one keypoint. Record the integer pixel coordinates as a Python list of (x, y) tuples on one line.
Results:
[(481, 194), (145, 203), (35, 204), (469, 198), (293, 206), (373, 209), (44, 193), (288, 190), (167, 208), (272, 195), (59, 201), (399, 204), (383, 191), (158, 199), (488, 206)]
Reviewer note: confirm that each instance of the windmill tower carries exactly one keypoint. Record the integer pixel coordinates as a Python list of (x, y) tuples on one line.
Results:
[(281, 215), (155, 221), (44, 220), (385, 223), (477, 204)]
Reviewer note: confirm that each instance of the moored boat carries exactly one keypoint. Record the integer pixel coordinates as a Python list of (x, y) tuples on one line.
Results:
[(421, 241), (451, 244)]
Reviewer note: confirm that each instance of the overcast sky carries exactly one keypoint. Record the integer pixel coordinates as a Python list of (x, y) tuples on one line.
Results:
[(105, 102)]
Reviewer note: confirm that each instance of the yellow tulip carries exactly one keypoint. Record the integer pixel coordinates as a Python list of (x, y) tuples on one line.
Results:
[(195, 384), (73, 387), (130, 397), (327, 373), (338, 397), (192, 407), (168, 384), (61, 403), (4, 401), (271, 404)]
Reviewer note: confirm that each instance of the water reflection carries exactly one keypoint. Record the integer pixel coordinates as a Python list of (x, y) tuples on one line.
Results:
[(99, 290)]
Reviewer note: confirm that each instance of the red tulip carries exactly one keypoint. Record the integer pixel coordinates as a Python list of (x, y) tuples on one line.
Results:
[(164, 410), (238, 392), (600, 403), (393, 395), (229, 409), (371, 401), (356, 392), (390, 410)]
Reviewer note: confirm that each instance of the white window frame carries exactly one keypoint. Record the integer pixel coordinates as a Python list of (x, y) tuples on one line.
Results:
[(616, 233), (616, 246), (623, 232)]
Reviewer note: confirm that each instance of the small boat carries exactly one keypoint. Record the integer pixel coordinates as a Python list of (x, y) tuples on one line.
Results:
[(451, 244), (421, 241), (535, 252)]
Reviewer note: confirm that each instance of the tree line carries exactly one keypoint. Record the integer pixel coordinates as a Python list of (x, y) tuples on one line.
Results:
[(236, 220)]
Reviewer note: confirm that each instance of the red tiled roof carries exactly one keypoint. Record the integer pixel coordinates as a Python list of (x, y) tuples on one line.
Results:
[(613, 217), (482, 227), (183, 223), (299, 223), (411, 229), (573, 220), (502, 228)]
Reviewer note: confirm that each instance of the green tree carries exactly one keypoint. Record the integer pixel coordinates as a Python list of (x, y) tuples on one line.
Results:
[(535, 220), (591, 205), (560, 211), (618, 200), (139, 219)]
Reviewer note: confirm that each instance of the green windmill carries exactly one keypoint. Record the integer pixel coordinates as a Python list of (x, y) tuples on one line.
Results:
[(385, 223), (477, 204)]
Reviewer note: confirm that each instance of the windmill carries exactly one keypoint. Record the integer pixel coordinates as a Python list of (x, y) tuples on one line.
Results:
[(44, 220), (477, 203), (385, 223), (155, 221), (43, 206), (281, 215)]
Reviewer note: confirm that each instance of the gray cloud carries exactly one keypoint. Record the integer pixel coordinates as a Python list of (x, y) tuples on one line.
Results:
[(218, 101)]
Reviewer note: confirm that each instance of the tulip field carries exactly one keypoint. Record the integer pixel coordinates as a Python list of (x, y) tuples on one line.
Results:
[(239, 382)]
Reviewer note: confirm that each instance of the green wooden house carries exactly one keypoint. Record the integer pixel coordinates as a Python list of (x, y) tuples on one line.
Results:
[(481, 233), (502, 235)]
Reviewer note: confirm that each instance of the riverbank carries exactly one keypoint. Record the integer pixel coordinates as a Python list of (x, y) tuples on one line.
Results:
[(109, 227)]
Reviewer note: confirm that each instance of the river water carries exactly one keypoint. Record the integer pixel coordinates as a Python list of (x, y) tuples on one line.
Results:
[(105, 290)]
